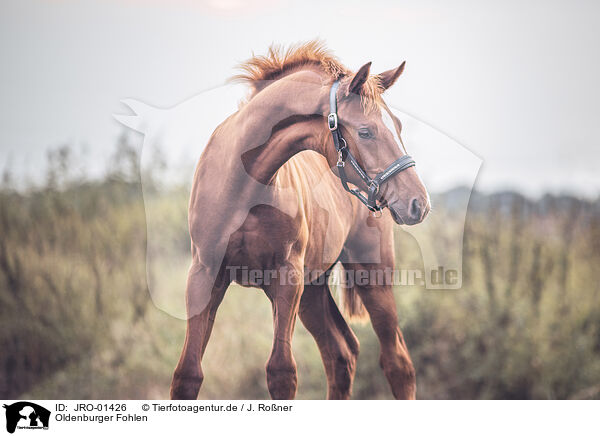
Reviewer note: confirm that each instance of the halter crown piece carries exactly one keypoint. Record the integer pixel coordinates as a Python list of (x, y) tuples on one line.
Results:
[(344, 154)]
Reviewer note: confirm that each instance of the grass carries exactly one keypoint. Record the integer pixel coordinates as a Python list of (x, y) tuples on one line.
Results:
[(77, 320)]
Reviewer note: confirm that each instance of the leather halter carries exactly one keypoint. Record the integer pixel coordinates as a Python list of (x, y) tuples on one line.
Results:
[(344, 154)]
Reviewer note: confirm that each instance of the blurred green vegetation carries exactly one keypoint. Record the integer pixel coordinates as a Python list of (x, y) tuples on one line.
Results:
[(77, 321)]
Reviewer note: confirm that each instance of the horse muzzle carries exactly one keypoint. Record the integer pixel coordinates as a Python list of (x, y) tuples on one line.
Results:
[(411, 213)]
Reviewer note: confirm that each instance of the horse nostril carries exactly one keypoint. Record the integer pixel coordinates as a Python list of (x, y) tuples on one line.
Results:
[(415, 208)]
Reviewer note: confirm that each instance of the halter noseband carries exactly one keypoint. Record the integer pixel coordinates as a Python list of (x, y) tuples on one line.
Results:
[(344, 154)]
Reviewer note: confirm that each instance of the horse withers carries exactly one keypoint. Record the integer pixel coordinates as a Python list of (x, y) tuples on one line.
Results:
[(290, 183)]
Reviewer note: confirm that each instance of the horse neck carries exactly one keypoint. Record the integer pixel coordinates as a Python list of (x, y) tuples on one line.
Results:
[(280, 121), (245, 153)]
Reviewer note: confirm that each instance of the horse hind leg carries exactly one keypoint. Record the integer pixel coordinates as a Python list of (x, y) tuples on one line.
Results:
[(336, 341), (282, 379), (202, 308)]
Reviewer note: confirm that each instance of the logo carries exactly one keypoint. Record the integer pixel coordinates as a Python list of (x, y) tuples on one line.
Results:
[(180, 134), (26, 415)]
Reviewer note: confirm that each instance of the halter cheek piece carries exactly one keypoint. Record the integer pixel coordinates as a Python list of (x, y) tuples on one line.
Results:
[(344, 154)]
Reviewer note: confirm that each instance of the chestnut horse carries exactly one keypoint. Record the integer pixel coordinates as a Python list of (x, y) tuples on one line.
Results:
[(267, 196)]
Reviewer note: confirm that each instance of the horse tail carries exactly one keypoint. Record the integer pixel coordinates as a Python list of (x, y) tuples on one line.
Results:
[(353, 308)]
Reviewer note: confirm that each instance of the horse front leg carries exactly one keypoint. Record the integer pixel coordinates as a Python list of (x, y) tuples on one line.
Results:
[(285, 295), (394, 358), (202, 301), (371, 249)]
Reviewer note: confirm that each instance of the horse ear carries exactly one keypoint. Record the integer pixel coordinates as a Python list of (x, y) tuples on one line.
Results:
[(360, 78), (389, 77)]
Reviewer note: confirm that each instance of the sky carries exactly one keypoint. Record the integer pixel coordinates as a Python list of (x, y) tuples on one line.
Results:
[(516, 83)]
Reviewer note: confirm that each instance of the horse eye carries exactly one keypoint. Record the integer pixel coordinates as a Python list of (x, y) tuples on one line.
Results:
[(364, 133)]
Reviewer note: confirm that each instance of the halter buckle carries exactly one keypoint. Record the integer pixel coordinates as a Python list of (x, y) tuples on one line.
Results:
[(340, 161), (332, 121)]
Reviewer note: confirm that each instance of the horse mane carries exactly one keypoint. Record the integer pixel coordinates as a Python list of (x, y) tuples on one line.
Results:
[(261, 70)]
